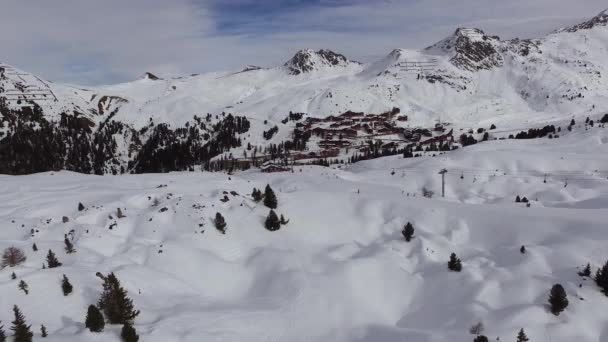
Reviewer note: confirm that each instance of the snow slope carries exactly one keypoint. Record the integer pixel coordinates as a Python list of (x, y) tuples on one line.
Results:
[(340, 270)]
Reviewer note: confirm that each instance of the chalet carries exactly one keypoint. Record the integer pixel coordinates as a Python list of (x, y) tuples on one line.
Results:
[(390, 146), (334, 143), (352, 115), (347, 132), (329, 153), (269, 167)]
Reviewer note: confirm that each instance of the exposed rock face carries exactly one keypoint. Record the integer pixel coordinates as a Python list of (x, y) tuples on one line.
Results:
[(599, 20), (307, 60), (471, 49)]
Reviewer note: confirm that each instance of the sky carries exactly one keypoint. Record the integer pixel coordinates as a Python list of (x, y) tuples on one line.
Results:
[(100, 42)]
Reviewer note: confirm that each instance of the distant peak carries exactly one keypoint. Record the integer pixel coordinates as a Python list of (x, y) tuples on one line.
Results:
[(150, 76), (307, 60), (469, 49), (599, 20)]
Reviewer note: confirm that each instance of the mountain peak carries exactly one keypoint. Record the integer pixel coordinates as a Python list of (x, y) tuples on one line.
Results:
[(150, 76), (599, 20), (307, 60), (470, 49)]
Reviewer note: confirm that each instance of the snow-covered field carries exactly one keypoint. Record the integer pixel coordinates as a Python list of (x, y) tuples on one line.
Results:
[(340, 270)]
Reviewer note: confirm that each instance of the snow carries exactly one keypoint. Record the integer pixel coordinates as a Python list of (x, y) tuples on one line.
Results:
[(340, 270)]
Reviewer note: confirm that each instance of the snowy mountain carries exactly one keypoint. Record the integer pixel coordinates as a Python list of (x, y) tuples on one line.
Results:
[(445, 194), (307, 60), (470, 79)]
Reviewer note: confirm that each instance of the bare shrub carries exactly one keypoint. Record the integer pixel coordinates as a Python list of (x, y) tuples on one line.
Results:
[(12, 257)]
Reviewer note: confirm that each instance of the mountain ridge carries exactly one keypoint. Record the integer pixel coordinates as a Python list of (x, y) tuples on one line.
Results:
[(468, 79)]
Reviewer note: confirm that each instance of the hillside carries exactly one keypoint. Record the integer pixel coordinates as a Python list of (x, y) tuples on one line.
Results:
[(340, 269)]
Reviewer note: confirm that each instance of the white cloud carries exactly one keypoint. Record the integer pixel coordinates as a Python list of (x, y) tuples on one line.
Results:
[(88, 41)]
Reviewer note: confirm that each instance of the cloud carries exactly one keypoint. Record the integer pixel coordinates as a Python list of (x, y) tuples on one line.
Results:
[(92, 42)]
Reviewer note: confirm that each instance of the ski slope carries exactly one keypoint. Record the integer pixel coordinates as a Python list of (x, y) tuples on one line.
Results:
[(340, 270)]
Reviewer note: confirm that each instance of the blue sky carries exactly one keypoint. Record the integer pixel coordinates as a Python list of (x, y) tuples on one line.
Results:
[(96, 42)]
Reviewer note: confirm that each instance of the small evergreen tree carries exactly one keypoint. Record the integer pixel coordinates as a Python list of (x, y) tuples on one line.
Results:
[(558, 299), (521, 336), (257, 195), (586, 272), (283, 220), (2, 333), (114, 302), (13, 276), (220, 223), (21, 331), (480, 338), (23, 286), (522, 250), (454, 264), (128, 333), (601, 278), (517, 199), (524, 200), (51, 260), (80, 206), (94, 320), (34, 247), (408, 232), (66, 287), (69, 247), (270, 199), (272, 221), (43, 332)]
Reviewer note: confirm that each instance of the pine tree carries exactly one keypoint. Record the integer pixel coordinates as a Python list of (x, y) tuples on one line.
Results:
[(69, 247), (94, 320), (23, 286), (408, 232), (34, 247), (270, 199), (601, 278), (66, 287), (21, 331), (128, 333), (521, 336), (522, 250), (220, 223), (558, 299), (13, 276), (454, 264), (257, 195), (43, 332), (481, 338), (80, 206), (2, 333), (272, 221), (51, 260), (586, 272), (283, 220), (517, 199), (114, 302)]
